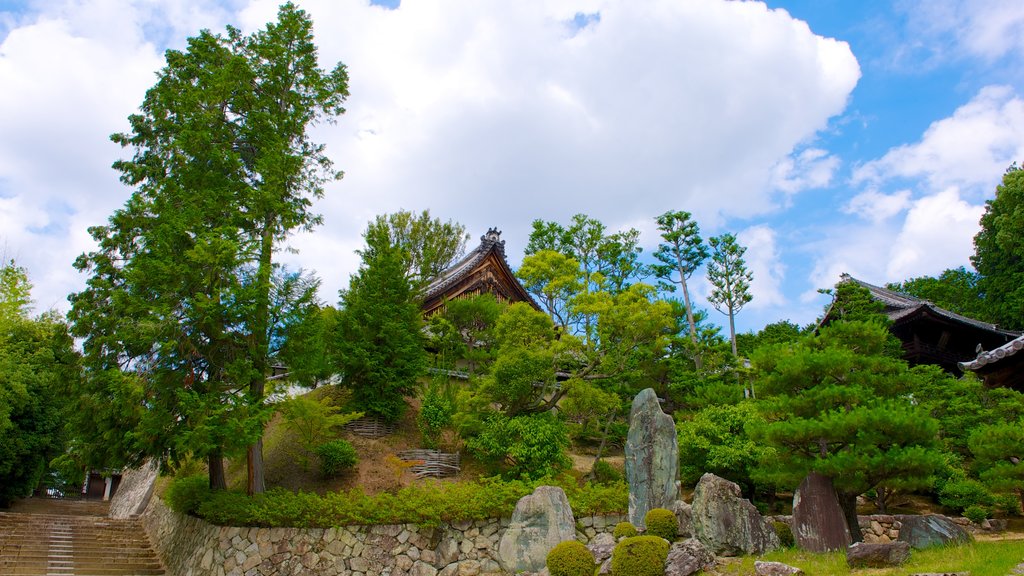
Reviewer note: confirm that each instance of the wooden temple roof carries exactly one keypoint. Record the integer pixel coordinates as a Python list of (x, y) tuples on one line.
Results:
[(931, 334), (1001, 366), (482, 270)]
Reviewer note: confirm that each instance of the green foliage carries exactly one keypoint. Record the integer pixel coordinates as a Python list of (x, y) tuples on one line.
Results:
[(186, 494), (785, 534), (976, 514), (527, 446), (313, 421), (682, 252), (715, 440), (336, 457), (962, 493), (437, 410), (380, 338), (999, 252), (428, 245), (1006, 504), (781, 332), (998, 451), (730, 279), (424, 504), (587, 409), (661, 522), (474, 320), (15, 292), (605, 473), (624, 530), (554, 280), (570, 558), (640, 556), (955, 289)]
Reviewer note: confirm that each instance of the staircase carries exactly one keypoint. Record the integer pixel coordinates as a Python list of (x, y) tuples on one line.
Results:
[(55, 538)]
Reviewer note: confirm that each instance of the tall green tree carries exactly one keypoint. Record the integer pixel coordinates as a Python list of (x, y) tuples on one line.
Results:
[(428, 244), (681, 253), (15, 292), (380, 342), (999, 454), (475, 318), (956, 289), (999, 251), (730, 280), (838, 405), (181, 287)]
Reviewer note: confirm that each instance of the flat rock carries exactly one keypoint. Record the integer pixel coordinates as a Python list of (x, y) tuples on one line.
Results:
[(763, 568), (818, 521), (688, 557), (652, 458), (864, 555), (541, 520), (931, 530), (728, 524)]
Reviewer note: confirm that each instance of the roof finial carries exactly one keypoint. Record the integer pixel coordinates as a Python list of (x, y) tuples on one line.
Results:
[(493, 235)]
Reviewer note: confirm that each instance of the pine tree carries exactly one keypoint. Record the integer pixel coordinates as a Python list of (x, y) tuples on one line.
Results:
[(728, 274)]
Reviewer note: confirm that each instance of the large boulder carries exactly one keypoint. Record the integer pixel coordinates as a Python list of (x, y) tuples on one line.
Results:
[(684, 518), (728, 524), (541, 520), (879, 555), (688, 557), (764, 568), (652, 458), (932, 530), (818, 521)]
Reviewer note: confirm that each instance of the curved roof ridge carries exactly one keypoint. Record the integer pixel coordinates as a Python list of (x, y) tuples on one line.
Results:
[(1011, 348)]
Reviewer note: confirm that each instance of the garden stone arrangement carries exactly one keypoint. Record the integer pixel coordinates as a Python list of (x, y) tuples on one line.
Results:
[(652, 458)]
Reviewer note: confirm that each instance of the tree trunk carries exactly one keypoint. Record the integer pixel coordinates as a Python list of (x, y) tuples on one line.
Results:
[(881, 496), (255, 483), (215, 461), (259, 351), (1020, 494), (848, 502), (732, 331)]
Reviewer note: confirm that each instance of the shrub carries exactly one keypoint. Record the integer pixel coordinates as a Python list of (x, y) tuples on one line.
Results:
[(571, 558), (184, 495), (605, 473), (976, 514), (624, 530), (436, 411), (530, 446), (336, 457), (785, 534), (661, 522), (1007, 504), (962, 493), (640, 556), (312, 421)]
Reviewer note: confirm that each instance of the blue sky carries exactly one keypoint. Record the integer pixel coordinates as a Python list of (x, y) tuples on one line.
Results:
[(831, 136)]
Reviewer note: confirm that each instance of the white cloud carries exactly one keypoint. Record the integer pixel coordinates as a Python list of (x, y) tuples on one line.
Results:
[(876, 206), (969, 149), (488, 112), (811, 168), (765, 263), (987, 29), (936, 235)]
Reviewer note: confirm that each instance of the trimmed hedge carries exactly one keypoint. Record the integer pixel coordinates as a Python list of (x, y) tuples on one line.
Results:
[(640, 556), (571, 558), (624, 530), (427, 504), (661, 522)]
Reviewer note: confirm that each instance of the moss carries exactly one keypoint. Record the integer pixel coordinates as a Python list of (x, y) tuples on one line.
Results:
[(624, 530), (640, 556), (571, 558), (661, 522), (785, 534)]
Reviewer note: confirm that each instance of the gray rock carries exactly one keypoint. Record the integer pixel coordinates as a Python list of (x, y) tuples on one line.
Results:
[(818, 521), (652, 458), (762, 568), (688, 557), (601, 547), (864, 555), (447, 552), (932, 530), (541, 520), (728, 524), (684, 518)]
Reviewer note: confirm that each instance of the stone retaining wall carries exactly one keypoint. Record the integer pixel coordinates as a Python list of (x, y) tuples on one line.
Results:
[(191, 547)]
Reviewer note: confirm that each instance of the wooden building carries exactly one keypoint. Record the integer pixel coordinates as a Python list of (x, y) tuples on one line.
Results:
[(1002, 366), (933, 335), (483, 270)]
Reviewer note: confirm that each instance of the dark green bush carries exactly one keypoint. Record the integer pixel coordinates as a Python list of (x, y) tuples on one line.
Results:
[(785, 534), (976, 514), (184, 495), (624, 530), (640, 556), (1007, 504), (962, 493), (336, 456), (661, 522), (605, 473), (571, 558)]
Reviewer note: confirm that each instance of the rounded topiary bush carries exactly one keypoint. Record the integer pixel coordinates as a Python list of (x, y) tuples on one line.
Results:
[(661, 522), (571, 558), (624, 530), (336, 457), (976, 514), (640, 556), (785, 534)]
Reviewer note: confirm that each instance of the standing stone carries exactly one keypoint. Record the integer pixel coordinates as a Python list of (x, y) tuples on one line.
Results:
[(684, 518), (541, 520), (728, 524), (652, 458), (931, 530), (818, 521)]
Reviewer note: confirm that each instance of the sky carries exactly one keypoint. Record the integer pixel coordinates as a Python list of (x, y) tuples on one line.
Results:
[(830, 136)]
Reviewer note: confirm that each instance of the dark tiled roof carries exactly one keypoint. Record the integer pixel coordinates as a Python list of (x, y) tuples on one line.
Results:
[(899, 306), (994, 356), (453, 274)]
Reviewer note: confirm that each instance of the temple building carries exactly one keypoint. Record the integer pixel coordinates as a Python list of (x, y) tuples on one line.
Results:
[(933, 335), (1002, 366), (483, 270)]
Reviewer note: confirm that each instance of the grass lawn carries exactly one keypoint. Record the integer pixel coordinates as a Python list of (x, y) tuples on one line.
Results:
[(991, 558)]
